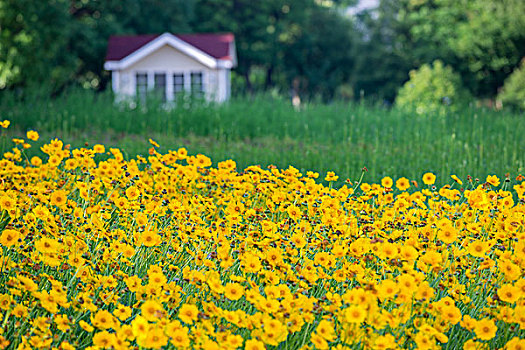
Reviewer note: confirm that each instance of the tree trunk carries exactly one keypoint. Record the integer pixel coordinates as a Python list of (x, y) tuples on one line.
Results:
[(268, 82), (249, 87)]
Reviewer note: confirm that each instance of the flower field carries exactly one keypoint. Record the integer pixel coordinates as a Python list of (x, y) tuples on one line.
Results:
[(168, 251)]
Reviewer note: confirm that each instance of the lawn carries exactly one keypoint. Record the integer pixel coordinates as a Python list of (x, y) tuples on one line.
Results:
[(264, 130)]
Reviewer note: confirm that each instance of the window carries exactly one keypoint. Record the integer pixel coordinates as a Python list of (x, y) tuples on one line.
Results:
[(142, 85), (197, 87), (178, 84), (160, 86)]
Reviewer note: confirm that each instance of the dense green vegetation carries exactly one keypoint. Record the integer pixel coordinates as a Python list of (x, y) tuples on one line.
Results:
[(264, 130), (314, 46)]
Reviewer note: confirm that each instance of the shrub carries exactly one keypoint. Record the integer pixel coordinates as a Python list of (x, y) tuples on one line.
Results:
[(513, 92), (432, 88)]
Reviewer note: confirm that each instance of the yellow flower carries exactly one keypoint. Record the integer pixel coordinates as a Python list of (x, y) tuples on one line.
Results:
[(149, 239), (103, 319), (36, 161), (59, 198), (5, 301), (32, 135), (7, 203), (47, 245), (152, 310), (5, 124), (9, 237), (330, 176), (154, 339), (122, 312), (253, 344), (140, 327), (325, 329), (509, 293), (493, 180), (429, 179), (179, 338), (104, 339), (233, 291), (387, 289), (188, 313), (355, 314), (85, 326), (294, 212), (478, 248), (62, 323), (99, 148), (515, 344), (132, 193), (485, 329), (450, 314), (387, 182), (319, 342), (457, 179), (447, 234), (402, 184)]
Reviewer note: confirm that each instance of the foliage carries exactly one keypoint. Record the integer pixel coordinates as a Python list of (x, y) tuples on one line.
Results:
[(288, 40), (482, 39), (57, 43), (169, 251), (513, 93), (384, 55), (310, 46), (432, 88)]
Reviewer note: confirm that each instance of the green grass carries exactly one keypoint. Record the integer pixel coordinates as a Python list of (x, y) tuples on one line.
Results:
[(263, 130)]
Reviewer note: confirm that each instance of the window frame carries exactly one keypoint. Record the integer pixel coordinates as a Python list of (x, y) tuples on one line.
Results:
[(197, 92), (162, 92), (141, 85), (179, 87)]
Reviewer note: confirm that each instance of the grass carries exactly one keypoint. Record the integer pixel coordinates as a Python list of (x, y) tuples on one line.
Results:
[(338, 137)]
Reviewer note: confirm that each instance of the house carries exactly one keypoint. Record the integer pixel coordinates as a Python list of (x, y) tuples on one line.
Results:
[(171, 64)]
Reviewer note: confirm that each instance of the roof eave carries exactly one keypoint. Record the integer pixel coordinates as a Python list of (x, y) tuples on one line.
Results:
[(152, 46)]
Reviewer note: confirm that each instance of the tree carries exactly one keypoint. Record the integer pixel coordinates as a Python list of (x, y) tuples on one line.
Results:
[(432, 88), (513, 92), (33, 43), (56, 43), (385, 52), (320, 54), (482, 39)]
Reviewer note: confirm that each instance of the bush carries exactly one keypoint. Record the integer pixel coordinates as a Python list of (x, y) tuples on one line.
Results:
[(432, 89), (513, 92)]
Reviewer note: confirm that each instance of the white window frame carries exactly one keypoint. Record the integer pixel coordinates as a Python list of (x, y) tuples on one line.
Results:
[(169, 89), (165, 98)]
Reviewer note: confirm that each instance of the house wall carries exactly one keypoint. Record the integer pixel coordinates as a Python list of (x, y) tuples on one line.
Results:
[(171, 61)]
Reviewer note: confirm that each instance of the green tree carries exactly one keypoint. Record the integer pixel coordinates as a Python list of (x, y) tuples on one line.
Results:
[(33, 44), (385, 52), (482, 39), (288, 40), (432, 88), (513, 92), (56, 43), (258, 26), (319, 55)]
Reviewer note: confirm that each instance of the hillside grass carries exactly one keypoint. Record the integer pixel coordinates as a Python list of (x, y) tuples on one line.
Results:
[(266, 130)]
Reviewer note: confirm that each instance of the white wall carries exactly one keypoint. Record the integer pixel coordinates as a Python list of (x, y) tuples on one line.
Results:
[(170, 61)]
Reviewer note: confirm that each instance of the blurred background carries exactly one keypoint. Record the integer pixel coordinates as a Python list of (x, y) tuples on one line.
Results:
[(329, 49)]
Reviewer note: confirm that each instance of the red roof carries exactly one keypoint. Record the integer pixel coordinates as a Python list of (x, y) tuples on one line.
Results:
[(215, 45)]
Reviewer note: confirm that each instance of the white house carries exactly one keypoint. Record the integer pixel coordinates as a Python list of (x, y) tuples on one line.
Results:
[(170, 64)]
